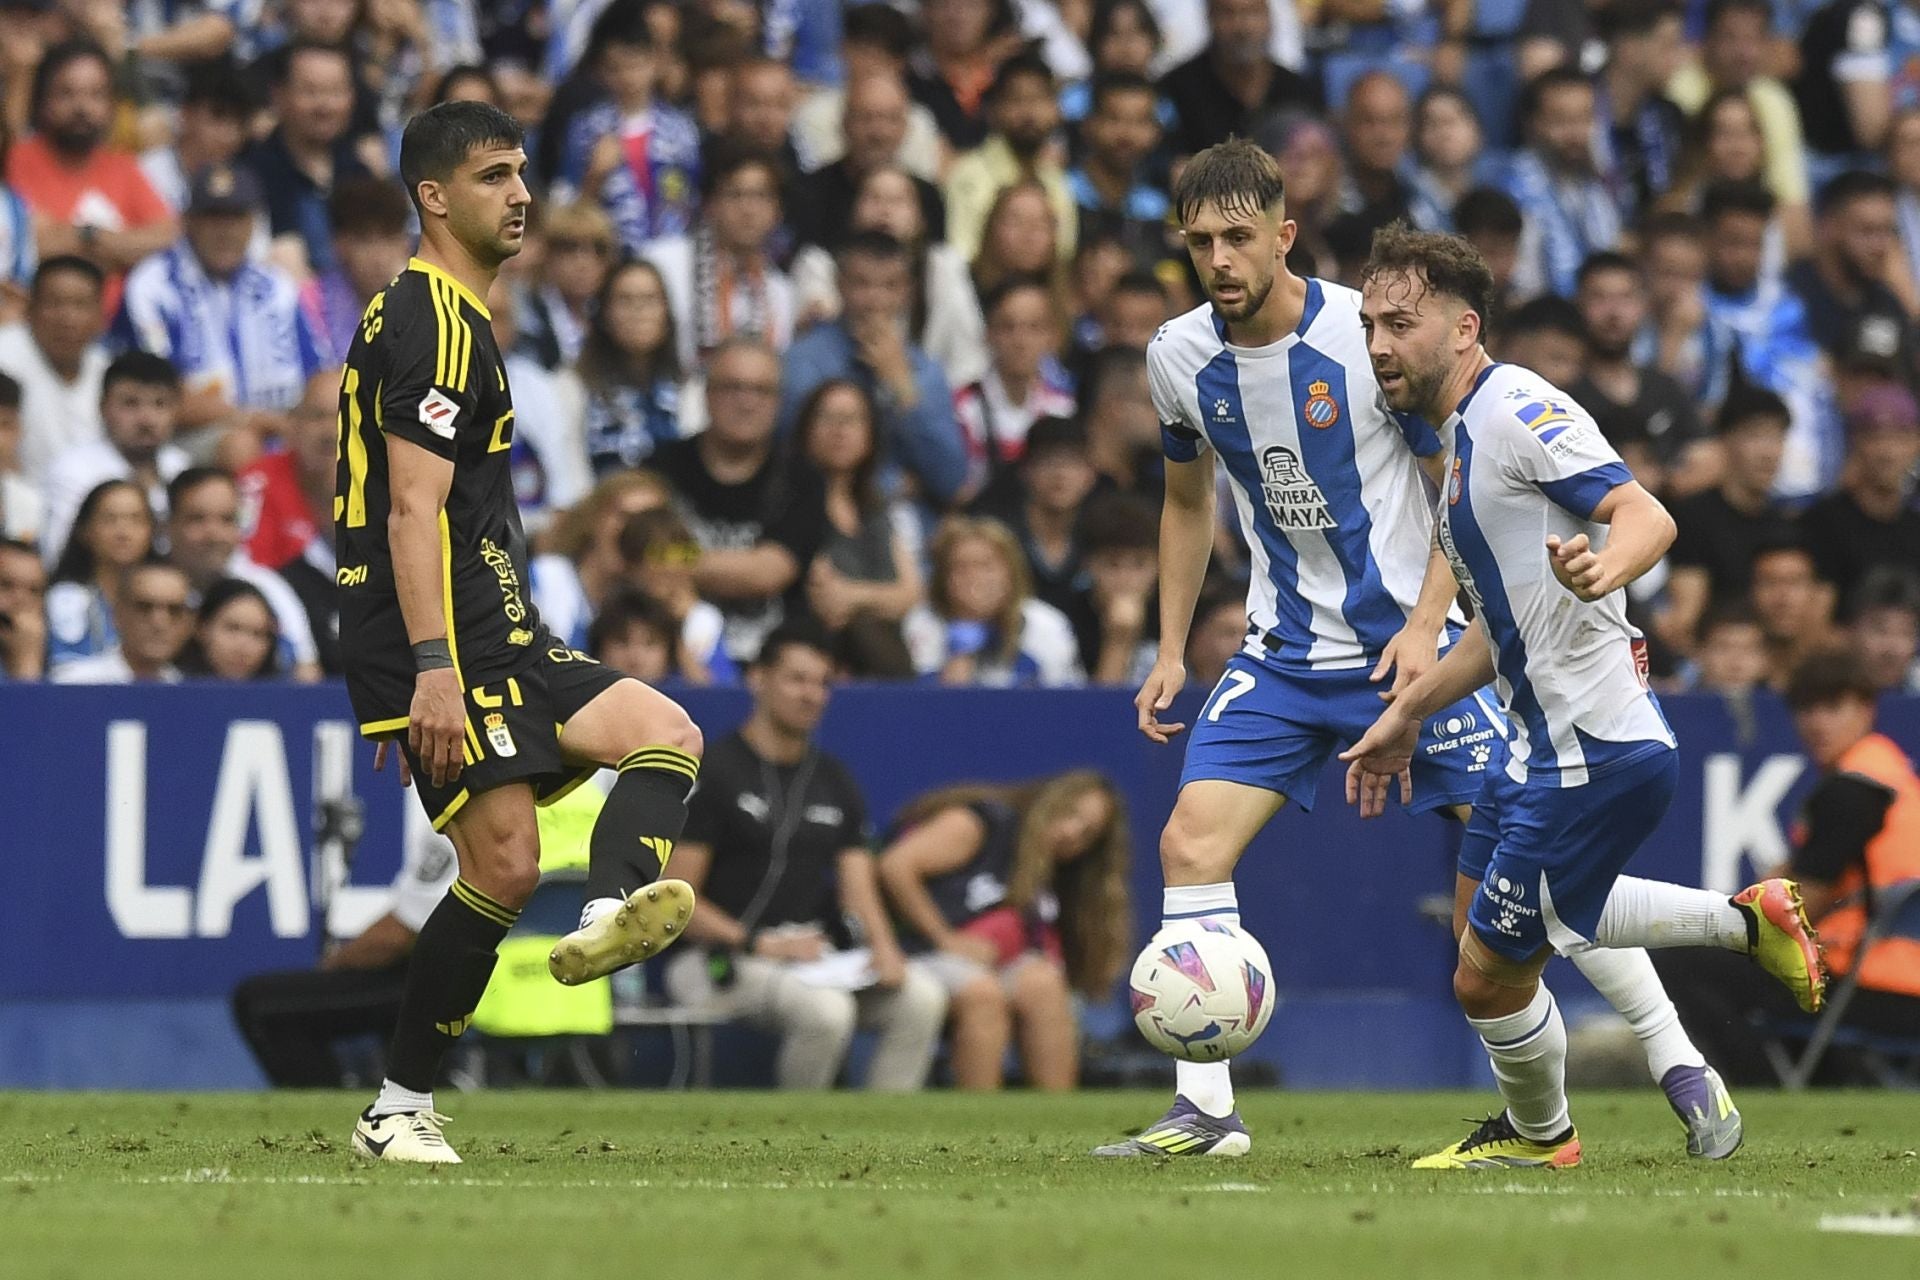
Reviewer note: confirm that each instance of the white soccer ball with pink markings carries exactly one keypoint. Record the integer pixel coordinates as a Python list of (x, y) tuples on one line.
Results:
[(1202, 990)]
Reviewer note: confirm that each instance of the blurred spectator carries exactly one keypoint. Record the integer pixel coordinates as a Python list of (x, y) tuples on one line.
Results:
[(871, 344), (152, 620), (140, 407), (1777, 349), (946, 318), (582, 568), (1023, 110), (88, 197), (203, 540), (309, 151), (1219, 632), (1721, 530), (549, 453), (1886, 628), (1491, 221), (721, 279), (1123, 39), (790, 932), (761, 94), (1635, 405), (155, 39), (1792, 604), (210, 128), (1859, 831), (1903, 166), (1548, 336), (1123, 432), (876, 116), (1131, 311), (1736, 55), (23, 612), (1115, 628), (1021, 894), (634, 634), (1099, 261), (235, 330), (636, 157), (579, 249), (1219, 92), (965, 43), (659, 558), (630, 367), (326, 24), (1309, 156), (1021, 240), (1449, 157), (981, 624), (22, 509), (287, 502), (1024, 381), (758, 518), (1556, 182), (371, 221), (1640, 132), (1111, 186), (866, 577), (1851, 81), (112, 532), (1377, 127), (235, 635), (1870, 520), (876, 43), (1724, 144), (1041, 502), (1843, 284), (1730, 655), (1682, 338)]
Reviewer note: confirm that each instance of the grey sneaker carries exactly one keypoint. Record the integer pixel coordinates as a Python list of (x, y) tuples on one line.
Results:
[(1185, 1130), (1699, 1097)]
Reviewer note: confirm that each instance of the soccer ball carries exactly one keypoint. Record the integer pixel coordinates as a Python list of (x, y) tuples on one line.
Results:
[(1202, 990)]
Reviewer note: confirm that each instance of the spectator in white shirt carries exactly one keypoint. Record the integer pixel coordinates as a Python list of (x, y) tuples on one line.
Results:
[(56, 357), (154, 620), (139, 406), (21, 506)]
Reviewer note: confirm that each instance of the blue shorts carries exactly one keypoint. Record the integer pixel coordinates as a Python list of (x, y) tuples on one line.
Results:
[(1559, 850), (1276, 730)]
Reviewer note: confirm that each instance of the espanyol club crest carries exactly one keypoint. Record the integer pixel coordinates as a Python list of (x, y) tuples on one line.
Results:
[(498, 735), (1455, 483), (1321, 410)]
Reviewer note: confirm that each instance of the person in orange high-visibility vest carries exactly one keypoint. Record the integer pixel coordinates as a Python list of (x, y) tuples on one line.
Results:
[(1858, 833)]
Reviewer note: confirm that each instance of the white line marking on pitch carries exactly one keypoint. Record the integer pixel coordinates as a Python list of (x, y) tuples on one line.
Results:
[(1871, 1224)]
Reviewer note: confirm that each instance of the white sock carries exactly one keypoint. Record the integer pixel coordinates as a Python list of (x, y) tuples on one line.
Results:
[(1652, 913), (1529, 1054), (393, 1100), (1625, 976), (597, 907), (1207, 1085)]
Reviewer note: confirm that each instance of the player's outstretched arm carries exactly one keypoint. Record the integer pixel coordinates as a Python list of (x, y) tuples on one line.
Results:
[(436, 720), (1639, 531), (1186, 543)]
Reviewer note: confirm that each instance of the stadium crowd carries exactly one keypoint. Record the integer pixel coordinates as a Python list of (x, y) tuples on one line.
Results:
[(840, 311)]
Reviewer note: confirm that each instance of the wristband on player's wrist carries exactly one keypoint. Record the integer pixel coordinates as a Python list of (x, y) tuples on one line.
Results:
[(432, 655)]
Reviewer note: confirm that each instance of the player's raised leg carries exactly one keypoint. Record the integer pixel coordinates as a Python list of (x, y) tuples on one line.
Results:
[(630, 913)]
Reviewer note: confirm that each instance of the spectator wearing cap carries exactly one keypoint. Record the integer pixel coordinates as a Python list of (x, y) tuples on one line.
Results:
[(309, 151), (1843, 283), (88, 197), (1556, 181), (1022, 111), (56, 356), (1221, 89), (372, 236), (1870, 521), (235, 330)]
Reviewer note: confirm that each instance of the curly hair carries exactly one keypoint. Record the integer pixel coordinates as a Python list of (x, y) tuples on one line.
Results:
[(1446, 264)]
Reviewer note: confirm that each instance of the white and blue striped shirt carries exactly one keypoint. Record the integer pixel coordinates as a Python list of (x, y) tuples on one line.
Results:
[(249, 335), (1323, 476), (1524, 461)]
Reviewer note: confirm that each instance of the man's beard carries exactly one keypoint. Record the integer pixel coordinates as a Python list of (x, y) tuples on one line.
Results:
[(1611, 352), (1025, 145), (1255, 299), (75, 139), (1424, 387)]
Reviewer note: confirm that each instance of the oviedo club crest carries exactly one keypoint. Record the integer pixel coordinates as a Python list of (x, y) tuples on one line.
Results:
[(1321, 410)]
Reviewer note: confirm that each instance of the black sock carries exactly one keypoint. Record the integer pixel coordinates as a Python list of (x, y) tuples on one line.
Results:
[(452, 960), (642, 818)]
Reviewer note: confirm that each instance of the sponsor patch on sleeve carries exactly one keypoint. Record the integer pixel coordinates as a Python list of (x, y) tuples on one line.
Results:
[(437, 414), (1546, 418)]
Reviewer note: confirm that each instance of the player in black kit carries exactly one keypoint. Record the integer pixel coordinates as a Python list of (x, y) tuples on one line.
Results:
[(445, 656)]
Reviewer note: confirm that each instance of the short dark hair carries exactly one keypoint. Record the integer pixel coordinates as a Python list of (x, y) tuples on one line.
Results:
[(71, 263), (1730, 613), (1886, 586), (56, 60), (1119, 522), (1488, 211), (1747, 404), (1550, 313), (368, 206), (1235, 175), (795, 633), (1004, 289), (1743, 195), (193, 478), (1619, 18), (1108, 83), (1833, 675), (1669, 224), (218, 86), (629, 608), (1446, 264), (292, 53), (1025, 65), (1107, 366), (872, 244), (621, 23), (439, 140), (1605, 260), (1140, 280), (1854, 184), (142, 368), (9, 392), (1055, 435), (878, 26), (727, 157), (1534, 96), (1718, 9)]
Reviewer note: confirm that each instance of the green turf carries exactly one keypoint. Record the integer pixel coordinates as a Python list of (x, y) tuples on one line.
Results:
[(632, 1186)]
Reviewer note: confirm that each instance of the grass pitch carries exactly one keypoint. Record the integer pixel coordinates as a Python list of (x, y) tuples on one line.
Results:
[(612, 1186)]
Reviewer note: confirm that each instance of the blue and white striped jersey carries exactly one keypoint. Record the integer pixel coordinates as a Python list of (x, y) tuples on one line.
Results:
[(1323, 476), (1524, 461)]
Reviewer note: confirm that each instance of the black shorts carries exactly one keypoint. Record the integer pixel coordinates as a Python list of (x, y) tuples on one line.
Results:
[(513, 728)]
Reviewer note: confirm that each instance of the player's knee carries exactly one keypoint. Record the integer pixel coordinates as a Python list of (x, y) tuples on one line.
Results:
[(1472, 989), (1040, 988), (682, 734), (980, 1001), (503, 859), (826, 1016), (1190, 854)]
